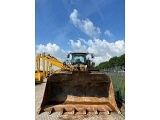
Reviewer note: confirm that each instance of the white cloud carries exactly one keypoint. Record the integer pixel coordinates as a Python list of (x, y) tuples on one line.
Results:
[(51, 49), (102, 49), (85, 26), (108, 33), (77, 46)]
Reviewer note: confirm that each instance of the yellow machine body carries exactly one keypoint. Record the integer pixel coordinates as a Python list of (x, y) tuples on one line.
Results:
[(80, 90)]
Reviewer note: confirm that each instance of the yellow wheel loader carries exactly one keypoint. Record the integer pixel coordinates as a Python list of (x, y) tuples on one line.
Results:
[(79, 90)]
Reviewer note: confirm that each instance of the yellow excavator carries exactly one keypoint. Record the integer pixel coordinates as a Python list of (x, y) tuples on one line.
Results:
[(48, 62), (78, 88)]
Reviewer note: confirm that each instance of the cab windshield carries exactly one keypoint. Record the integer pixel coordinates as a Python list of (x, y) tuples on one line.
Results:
[(78, 58)]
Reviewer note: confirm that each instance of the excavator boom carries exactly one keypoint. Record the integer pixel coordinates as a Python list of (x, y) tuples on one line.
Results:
[(51, 61)]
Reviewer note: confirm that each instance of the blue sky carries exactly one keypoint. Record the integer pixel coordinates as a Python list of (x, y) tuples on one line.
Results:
[(80, 25)]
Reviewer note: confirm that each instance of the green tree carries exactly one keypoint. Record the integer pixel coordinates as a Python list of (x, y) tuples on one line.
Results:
[(114, 61), (121, 60)]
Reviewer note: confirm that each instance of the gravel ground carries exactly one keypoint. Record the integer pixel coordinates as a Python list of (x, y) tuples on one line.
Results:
[(39, 91)]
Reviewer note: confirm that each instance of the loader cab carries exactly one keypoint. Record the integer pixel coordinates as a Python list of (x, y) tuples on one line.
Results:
[(80, 58)]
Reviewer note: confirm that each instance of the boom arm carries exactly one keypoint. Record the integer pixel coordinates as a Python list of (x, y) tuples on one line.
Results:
[(50, 61)]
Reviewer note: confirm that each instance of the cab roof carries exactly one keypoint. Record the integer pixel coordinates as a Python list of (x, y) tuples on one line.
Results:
[(79, 53)]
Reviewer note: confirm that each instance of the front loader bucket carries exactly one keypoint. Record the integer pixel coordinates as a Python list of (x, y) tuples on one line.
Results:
[(78, 92)]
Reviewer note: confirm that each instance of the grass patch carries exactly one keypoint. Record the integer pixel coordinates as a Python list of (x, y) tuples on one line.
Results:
[(118, 81)]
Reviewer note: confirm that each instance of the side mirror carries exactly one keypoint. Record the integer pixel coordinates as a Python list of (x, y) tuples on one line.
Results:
[(68, 55), (92, 55), (93, 64)]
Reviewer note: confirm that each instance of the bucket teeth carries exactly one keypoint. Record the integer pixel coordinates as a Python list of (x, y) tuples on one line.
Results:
[(50, 111), (62, 111), (73, 111), (107, 112), (39, 111), (84, 111), (95, 111)]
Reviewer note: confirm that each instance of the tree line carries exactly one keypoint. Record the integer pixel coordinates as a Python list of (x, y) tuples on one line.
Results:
[(113, 62)]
